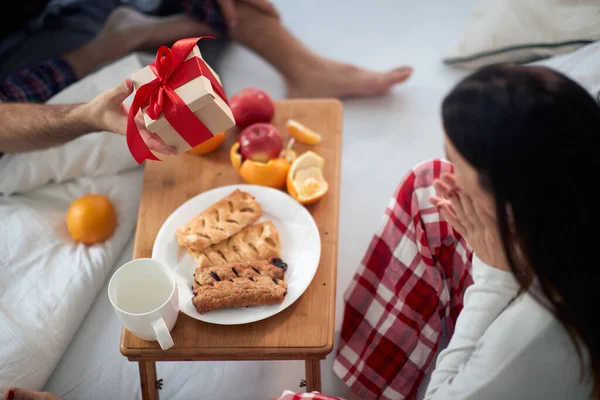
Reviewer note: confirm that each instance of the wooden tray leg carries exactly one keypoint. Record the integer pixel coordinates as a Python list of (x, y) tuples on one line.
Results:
[(313, 375), (148, 380)]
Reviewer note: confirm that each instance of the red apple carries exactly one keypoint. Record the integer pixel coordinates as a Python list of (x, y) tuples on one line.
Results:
[(251, 105), (260, 142)]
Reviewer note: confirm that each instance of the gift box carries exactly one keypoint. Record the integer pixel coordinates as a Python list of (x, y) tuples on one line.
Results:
[(181, 99)]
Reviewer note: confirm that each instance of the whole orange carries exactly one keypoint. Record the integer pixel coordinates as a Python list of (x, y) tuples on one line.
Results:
[(209, 146), (91, 219)]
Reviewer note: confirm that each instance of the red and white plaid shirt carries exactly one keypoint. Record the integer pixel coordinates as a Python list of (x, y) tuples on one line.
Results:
[(408, 288)]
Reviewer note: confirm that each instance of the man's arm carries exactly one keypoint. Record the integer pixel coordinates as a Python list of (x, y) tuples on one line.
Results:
[(27, 127)]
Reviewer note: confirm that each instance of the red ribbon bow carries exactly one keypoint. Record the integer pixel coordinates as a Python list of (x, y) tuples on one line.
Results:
[(159, 95)]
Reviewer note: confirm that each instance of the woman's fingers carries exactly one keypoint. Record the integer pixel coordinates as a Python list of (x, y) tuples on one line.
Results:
[(449, 215), (441, 188), (444, 204), (454, 206), (468, 208), (446, 211), (463, 204), (448, 208), (456, 202), (436, 200), (449, 180)]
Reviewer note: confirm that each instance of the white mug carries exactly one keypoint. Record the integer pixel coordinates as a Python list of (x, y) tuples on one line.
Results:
[(143, 293)]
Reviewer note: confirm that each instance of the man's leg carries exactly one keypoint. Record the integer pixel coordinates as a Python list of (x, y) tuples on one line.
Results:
[(125, 30), (307, 74), (408, 288)]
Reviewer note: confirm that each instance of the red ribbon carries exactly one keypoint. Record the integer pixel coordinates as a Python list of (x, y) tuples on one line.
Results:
[(159, 95)]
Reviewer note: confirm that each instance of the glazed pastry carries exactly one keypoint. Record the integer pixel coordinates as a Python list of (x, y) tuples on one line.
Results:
[(239, 292), (220, 221), (274, 268), (253, 243)]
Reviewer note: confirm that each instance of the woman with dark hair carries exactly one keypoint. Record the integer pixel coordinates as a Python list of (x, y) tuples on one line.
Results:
[(496, 247)]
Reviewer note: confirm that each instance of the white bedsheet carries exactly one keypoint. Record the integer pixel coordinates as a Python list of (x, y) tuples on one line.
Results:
[(47, 282), (383, 138)]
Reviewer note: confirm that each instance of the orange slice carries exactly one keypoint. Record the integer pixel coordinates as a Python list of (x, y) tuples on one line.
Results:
[(302, 133), (305, 180), (288, 154)]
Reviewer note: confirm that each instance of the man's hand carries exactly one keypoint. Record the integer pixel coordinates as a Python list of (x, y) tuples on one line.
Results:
[(108, 113), (29, 127), (230, 14), (477, 226)]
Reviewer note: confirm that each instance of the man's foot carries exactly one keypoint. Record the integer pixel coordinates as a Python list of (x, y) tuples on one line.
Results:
[(328, 78), (23, 394), (138, 31)]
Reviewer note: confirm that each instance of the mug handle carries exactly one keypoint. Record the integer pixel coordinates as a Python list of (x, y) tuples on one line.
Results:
[(163, 336)]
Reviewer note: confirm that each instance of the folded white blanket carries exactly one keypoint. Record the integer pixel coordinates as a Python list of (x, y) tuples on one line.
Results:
[(48, 282), (98, 154)]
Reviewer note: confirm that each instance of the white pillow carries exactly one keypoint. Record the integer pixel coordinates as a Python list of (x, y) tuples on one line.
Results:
[(523, 31), (581, 65), (98, 154)]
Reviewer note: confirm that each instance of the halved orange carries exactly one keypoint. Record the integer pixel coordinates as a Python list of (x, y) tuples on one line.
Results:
[(302, 133), (288, 154), (272, 173), (305, 180)]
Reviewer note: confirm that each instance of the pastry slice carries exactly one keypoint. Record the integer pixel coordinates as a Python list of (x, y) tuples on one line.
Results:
[(253, 243), (273, 268), (239, 292), (223, 219)]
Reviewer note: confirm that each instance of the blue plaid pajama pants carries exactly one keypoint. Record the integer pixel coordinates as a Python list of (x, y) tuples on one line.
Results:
[(32, 69)]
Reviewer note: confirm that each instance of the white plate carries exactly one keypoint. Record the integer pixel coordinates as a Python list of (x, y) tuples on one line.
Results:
[(300, 249)]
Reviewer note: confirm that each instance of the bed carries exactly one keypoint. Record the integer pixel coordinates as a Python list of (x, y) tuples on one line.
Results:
[(69, 337)]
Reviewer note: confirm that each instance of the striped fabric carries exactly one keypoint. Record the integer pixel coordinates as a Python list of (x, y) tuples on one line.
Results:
[(38, 83)]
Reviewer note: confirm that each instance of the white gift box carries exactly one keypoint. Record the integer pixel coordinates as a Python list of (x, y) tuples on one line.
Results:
[(201, 99)]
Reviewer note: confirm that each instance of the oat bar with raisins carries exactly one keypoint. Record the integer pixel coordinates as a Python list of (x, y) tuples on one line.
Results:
[(274, 268), (239, 292)]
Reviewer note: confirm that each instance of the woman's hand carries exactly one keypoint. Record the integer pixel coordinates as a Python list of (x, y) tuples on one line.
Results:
[(477, 226), (108, 113)]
